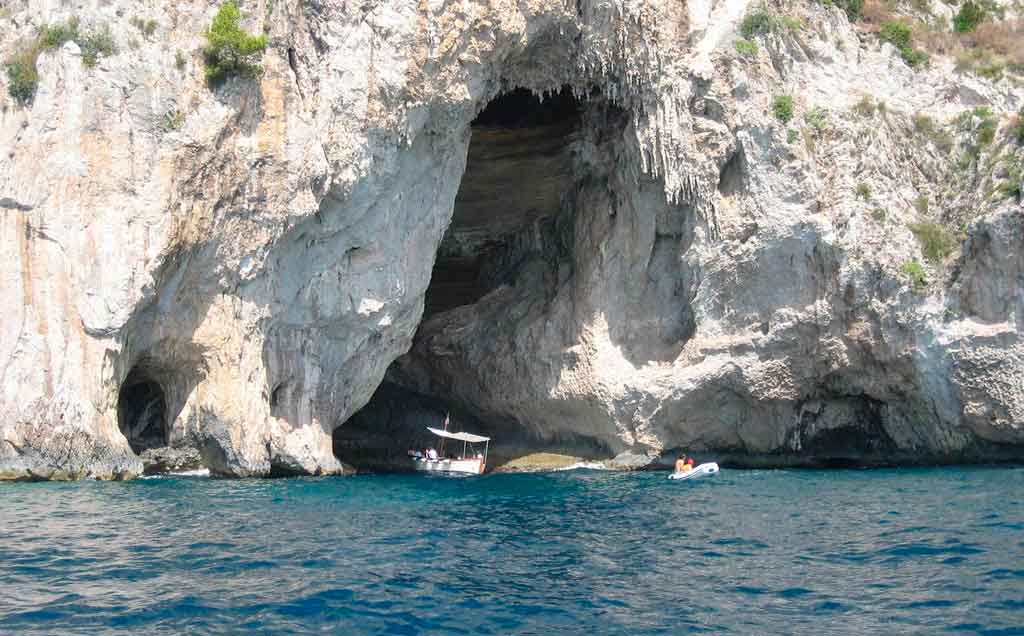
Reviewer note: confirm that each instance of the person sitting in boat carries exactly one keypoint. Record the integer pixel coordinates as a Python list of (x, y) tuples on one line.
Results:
[(684, 464), (432, 454)]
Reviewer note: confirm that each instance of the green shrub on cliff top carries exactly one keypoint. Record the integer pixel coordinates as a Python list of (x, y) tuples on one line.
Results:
[(230, 51)]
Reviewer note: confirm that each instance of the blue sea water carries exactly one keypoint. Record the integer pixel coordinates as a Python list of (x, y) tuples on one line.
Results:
[(912, 551)]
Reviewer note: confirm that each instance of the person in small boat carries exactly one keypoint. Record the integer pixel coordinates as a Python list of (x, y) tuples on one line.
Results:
[(432, 454), (684, 464)]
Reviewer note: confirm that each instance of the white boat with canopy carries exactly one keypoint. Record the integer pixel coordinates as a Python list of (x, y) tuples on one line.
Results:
[(470, 462)]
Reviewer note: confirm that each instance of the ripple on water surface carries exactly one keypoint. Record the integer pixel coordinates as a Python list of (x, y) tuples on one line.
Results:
[(581, 552)]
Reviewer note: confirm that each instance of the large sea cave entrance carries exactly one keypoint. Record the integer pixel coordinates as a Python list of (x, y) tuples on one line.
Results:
[(142, 410), (513, 207), (518, 169)]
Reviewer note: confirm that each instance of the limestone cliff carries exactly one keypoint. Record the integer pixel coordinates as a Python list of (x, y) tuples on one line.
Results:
[(646, 260)]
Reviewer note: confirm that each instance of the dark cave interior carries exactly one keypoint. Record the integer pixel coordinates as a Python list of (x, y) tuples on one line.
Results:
[(142, 410), (518, 170)]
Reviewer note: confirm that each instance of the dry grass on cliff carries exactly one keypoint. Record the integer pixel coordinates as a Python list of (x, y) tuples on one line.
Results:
[(994, 47), (874, 13)]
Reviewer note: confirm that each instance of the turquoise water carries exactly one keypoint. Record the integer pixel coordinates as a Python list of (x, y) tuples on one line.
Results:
[(922, 551)]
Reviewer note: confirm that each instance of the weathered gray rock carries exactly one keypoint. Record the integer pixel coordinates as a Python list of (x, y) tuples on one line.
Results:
[(167, 459), (261, 253)]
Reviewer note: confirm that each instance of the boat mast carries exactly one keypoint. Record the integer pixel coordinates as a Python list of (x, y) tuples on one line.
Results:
[(440, 454)]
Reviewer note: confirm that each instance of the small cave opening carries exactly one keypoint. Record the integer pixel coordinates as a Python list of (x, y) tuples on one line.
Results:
[(844, 431), (142, 411)]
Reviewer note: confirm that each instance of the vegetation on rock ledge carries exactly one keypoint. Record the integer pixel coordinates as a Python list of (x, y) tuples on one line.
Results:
[(983, 38), (782, 107), (22, 73), (936, 241), (851, 7), (148, 27), (1013, 186), (22, 76), (968, 18), (746, 48), (915, 272), (898, 34), (762, 22), (230, 51)]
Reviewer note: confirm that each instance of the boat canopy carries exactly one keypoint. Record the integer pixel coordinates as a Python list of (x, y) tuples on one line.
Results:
[(463, 437)]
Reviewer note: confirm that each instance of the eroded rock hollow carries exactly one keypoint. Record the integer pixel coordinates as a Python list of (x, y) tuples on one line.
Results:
[(578, 227), (142, 411)]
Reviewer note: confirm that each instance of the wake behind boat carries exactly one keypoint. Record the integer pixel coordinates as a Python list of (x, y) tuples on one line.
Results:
[(470, 462), (704, 470)]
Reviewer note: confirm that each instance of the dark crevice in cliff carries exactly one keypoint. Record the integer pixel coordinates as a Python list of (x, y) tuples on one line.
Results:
[(142, 411), (732, 176)]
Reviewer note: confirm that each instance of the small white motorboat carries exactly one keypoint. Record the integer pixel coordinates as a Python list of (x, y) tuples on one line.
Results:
[(703, 470), (470, 462)]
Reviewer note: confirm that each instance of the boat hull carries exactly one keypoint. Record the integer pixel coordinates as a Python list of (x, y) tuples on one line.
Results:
[(704, 470), (473, 466)]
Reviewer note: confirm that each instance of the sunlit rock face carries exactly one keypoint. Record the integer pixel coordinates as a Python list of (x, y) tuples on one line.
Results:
[(643, 261), (615, 323)]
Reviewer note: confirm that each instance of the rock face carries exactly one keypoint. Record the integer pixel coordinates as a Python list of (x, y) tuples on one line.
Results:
[(158, 461), (646, 261)]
